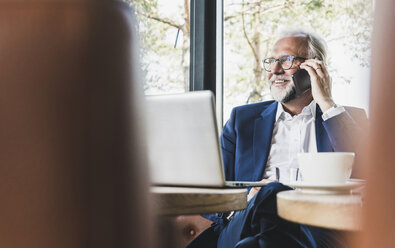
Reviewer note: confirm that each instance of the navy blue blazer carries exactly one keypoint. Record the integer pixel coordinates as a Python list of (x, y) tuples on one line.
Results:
[(246, 139)]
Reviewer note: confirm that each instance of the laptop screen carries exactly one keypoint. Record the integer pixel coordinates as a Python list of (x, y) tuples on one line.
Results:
[(183, 140)]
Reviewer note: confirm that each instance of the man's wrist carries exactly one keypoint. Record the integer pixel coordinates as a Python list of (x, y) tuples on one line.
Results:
[(332, 112), (327, 105)]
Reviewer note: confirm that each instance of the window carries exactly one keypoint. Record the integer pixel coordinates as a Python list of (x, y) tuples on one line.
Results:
[(250, 28), (163, 27), (169, 28)]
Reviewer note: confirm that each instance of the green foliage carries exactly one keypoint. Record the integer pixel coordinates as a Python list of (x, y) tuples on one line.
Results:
[(314, 5), (345, 23), (162, 64), (348, 22)]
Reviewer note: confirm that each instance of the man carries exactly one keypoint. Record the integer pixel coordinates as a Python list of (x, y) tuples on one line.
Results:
[(260, 137)]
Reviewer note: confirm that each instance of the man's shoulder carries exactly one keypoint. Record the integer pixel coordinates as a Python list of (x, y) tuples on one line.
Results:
[(355, 110), (358, 113), (245, 115), (253, 108)]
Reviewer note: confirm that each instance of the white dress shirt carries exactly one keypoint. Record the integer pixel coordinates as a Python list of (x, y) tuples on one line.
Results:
[(293, 135)]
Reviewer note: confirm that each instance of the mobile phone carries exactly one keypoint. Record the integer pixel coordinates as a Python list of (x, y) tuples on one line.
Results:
[(302, 81)]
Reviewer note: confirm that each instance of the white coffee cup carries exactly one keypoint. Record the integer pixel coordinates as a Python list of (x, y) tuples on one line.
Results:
[(325, 168)]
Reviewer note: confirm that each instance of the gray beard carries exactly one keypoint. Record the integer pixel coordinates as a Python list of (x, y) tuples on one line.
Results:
[(290, 95)]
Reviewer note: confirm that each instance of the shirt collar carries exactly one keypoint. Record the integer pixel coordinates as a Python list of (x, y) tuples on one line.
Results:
[(307, 110)]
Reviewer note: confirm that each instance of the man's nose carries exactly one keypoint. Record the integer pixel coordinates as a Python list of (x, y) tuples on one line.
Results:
[(277, 68)]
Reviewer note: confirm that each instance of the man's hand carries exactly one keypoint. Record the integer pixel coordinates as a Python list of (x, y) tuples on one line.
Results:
[(252, 192), (255, 190), (320, 83)]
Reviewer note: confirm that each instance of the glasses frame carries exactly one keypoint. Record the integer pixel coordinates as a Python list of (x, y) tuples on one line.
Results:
[(279, 60)]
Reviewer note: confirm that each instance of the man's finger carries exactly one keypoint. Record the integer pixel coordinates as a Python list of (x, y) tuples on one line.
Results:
[(320, 72), (310, 70), (321, 63), (267, 180), (318, 66)]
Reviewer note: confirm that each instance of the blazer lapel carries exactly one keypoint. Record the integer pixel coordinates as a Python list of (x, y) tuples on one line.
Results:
[(321, 137), (263, 131)]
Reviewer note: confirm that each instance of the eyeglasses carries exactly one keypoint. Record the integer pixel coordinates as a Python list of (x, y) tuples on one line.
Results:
[(286, 62)]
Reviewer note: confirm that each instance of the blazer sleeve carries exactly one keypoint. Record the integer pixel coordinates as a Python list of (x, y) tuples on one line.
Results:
[(345, 129), (346, 132), (228, 145)]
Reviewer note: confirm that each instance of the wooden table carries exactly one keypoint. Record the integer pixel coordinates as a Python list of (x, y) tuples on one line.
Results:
[(185, 200), (334, 211)]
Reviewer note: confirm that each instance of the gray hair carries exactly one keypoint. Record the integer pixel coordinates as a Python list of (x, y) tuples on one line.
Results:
[(316, 45)]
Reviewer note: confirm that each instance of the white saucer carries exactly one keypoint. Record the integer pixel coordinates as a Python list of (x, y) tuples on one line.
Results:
[(328, 189)]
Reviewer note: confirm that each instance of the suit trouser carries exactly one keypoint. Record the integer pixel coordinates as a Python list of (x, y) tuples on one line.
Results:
[(259, 226)]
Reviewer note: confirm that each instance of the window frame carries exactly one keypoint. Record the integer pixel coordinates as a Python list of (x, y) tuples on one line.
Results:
[(206, 52)]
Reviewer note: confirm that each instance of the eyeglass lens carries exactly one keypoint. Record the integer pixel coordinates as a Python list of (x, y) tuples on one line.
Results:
[(285, 62)]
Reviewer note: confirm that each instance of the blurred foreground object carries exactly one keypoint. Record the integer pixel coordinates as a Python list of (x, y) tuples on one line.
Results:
[(379, 214), (72, 158)]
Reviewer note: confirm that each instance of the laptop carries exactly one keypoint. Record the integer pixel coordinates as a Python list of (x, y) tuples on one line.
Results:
[(183, 142)]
